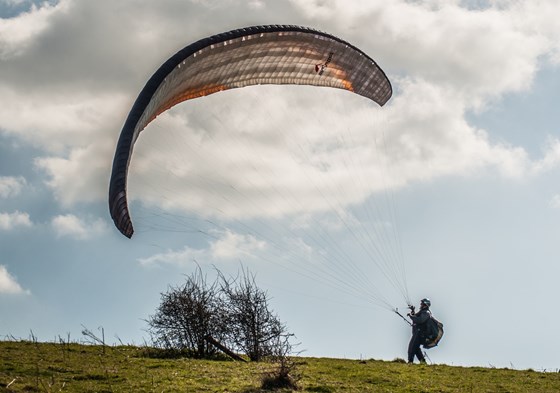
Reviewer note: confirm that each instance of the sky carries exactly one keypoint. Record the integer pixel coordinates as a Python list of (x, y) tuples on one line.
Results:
[(456, 179)]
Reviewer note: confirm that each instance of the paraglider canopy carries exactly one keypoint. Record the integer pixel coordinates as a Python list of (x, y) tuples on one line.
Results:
[(244, 57)]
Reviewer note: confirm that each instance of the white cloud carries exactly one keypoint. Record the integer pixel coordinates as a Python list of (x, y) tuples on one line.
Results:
[(56, 121), (80, 177), (8, 283), (178, 258), (233, 245), (12, 2), (72, 106), (555, 202), (538, 18), (11, 186), (72, 226), (9, 221), (256, 4), (551, 158), (283, 155), (482, 53), (227, 246), (18, 33)]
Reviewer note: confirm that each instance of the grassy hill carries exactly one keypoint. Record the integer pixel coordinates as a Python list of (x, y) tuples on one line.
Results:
[(61, 367)]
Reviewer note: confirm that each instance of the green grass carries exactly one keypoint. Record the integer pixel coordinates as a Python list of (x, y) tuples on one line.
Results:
[(59, 367)]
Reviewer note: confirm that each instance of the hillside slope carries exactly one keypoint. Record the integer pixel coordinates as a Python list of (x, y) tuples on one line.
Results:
[(52, 367)]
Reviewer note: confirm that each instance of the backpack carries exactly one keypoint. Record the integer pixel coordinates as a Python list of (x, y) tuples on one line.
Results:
[(434, 332)]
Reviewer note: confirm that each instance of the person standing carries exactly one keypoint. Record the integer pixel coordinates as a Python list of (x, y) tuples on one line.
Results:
[(419, 330)]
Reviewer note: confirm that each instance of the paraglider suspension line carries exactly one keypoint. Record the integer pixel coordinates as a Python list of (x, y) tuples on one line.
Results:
[(396, 310)]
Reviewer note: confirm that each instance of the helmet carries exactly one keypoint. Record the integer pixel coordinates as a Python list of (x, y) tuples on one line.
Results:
[(426, 302)]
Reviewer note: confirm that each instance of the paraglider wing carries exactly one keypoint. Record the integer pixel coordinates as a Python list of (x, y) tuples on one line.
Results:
[(243, 57)]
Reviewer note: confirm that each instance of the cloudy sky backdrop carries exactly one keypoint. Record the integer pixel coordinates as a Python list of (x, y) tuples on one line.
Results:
[(467, 152)]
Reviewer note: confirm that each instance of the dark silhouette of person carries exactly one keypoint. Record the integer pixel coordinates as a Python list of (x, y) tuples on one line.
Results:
[(419, 330)]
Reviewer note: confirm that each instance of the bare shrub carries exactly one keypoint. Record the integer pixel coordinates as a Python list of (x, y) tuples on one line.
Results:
[(187, 314), (231, 315), (252, 327), (284, 373)]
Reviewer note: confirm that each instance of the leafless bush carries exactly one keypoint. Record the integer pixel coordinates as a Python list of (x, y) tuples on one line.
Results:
[(230, 313), (252, 327), (187, 314), (284, 373)]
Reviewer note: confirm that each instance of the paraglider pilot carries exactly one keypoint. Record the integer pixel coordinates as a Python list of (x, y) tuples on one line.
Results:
[(419, 330)]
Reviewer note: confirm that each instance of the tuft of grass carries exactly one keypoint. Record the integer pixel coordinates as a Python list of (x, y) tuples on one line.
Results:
[(281, 378), (275, 382), (69, 367)]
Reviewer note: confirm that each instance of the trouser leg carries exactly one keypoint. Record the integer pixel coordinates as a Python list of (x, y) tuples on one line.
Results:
[(419, 353), (414, 348)]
